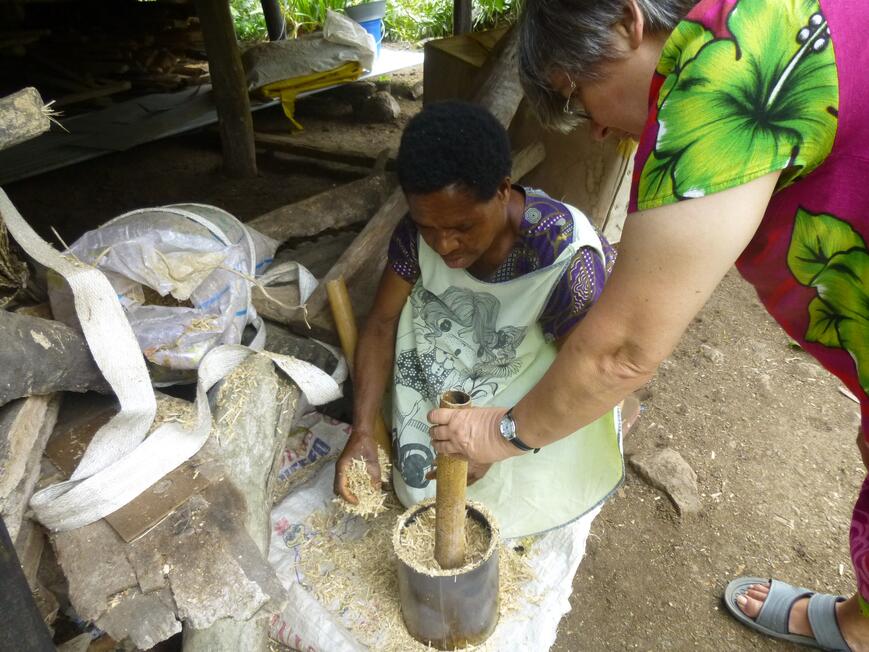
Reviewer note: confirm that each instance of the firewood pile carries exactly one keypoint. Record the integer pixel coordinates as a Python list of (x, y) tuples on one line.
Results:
[(84, 55)]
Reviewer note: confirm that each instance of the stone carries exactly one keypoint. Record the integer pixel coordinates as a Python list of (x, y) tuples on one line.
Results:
[(416, 91), (380, 107), (712, 354), (666, 470)]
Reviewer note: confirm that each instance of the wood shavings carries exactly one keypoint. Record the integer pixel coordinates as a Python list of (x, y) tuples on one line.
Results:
[(240, 384), (414, 543), (370, 500), (353, 574), (174, 410)]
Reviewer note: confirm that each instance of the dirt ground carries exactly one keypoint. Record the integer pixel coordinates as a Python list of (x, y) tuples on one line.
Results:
[(768, 434)]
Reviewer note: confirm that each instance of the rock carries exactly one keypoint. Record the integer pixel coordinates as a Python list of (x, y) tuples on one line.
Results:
[(416, 91), (712, 354), (380, 107), (354, 94), (810, 370), (666, 470)]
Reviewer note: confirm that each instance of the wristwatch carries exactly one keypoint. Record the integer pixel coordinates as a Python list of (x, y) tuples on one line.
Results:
[(507, 427)]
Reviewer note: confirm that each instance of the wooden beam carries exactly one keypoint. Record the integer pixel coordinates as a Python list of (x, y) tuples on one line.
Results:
[(229, 86), (462, 19), (290, 145), (331, 209)]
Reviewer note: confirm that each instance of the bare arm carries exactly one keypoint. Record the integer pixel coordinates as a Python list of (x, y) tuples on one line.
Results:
[(670, 260), (375, 354)]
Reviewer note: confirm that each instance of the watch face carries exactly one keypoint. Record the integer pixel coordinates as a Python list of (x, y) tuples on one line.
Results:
[(506, 428)]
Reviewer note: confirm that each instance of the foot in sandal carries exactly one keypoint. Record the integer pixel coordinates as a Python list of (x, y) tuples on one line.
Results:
[(798, 615)]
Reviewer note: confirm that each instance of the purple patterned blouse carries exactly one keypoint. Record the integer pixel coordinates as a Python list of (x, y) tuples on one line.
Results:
[(545, 231)]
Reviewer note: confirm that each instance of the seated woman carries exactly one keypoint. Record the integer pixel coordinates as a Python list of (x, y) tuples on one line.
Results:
[(484, 279)]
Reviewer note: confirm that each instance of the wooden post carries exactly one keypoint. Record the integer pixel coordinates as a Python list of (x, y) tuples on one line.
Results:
[(275, 21), (462, 23), (342, 312), (230, 88), (452, 480)]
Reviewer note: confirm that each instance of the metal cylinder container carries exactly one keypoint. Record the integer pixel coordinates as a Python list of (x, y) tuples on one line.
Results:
[(449, 609)]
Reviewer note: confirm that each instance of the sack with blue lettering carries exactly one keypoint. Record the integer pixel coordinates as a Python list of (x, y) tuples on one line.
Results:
[(183, 275)]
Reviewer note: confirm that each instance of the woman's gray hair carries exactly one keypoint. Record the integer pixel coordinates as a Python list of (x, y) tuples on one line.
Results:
[(575, 37)]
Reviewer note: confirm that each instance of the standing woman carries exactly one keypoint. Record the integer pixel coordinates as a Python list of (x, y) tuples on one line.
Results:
[(753, 123)]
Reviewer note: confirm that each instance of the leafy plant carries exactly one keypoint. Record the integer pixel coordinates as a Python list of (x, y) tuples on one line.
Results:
[(408, 21)]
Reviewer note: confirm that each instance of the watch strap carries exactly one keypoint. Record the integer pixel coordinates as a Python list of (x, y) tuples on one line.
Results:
[(518, 443)]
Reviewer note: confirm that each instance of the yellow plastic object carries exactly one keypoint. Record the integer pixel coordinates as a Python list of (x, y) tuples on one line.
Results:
[(288, 89)]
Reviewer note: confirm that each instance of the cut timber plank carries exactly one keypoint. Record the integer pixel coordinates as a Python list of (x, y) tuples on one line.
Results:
[(93, 93), (354, 202), (25, 426), (75, 429), (47, 356), (285, 143)]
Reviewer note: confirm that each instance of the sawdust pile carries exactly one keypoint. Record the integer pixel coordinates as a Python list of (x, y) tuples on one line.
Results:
[(355, 577), (416, 544), (371, 501)]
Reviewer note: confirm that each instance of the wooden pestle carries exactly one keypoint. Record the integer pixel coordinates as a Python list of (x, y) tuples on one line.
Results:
[(345, 322), (452, 479)]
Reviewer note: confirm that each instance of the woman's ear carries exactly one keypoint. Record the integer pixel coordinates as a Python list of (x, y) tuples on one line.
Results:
[(632, 25), (504, 189)]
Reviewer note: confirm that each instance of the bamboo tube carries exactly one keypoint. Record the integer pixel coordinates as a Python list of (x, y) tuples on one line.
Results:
[(345, 322), (452, 480)]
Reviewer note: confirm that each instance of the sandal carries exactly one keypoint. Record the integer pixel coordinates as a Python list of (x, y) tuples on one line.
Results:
[(775, 612)]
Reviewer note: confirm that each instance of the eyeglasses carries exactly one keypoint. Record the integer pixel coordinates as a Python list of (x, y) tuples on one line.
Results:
[(570, 107)]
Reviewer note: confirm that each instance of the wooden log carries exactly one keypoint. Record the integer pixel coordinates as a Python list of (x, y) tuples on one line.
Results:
[(22, 116), (452, 481), (230, 88), (48, 357), (252, 423), (331, 209), (462, 23)]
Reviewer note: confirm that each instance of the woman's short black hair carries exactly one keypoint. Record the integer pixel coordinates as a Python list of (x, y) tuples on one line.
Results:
[(453, 143)]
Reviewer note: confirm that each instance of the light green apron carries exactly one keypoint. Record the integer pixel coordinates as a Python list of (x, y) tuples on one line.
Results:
[(457, 332)]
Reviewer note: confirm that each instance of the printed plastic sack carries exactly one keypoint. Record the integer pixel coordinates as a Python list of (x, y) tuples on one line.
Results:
[(182, 274)]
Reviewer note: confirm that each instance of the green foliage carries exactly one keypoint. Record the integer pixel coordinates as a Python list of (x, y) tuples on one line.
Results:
[(406, 20)]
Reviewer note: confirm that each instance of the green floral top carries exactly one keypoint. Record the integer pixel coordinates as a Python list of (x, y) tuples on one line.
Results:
[(743, 88)]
